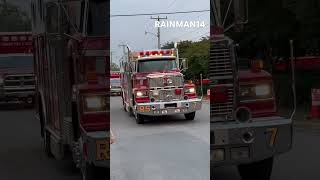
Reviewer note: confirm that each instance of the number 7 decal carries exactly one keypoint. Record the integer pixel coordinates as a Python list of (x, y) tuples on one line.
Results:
[(273, 132)]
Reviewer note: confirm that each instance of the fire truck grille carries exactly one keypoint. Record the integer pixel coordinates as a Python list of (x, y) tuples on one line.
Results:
[(222, 74), (220, 66), (167, 95), (223, 110), (166, 81), (19, 81)]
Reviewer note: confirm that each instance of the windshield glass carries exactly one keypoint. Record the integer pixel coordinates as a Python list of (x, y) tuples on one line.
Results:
[(16, 62), (115, 82), (157, 65)]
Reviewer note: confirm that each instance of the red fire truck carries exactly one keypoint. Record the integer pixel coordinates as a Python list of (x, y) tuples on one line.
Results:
[(246, 129), (71, 49), (16, 67), (115, 85), (152, 85)]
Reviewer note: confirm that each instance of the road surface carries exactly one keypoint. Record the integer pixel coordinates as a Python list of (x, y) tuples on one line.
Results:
[(21, 156), (302, 162), (168, 148)]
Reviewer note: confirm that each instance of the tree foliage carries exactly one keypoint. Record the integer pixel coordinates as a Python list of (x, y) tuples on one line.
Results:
[(115, 67), (13, 19), (272, 23), (196, 54)]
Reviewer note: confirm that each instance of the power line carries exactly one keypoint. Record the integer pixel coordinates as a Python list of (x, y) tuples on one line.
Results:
[(160, 13)]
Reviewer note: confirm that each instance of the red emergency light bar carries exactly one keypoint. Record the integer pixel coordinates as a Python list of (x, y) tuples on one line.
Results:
[(15, 42), (115, 75), (169, 52)]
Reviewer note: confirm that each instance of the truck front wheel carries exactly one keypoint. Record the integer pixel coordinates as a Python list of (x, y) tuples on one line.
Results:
[(139, 118), (190, 116), (258, 170)]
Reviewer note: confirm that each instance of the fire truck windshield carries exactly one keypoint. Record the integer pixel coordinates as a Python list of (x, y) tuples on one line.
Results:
[(16, 62), (157, 65)]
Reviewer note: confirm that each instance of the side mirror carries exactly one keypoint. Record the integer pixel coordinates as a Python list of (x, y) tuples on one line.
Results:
[(184, 65)]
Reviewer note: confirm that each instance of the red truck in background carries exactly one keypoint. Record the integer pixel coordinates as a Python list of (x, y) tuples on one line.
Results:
[(71, 49), (115, 84), (17, 81)]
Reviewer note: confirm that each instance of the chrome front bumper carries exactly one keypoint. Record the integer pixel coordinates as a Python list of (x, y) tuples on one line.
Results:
[(168, 108), (230, 144)]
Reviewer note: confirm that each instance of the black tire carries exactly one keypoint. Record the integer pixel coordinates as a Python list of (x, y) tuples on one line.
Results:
[(258, 170), (190, 116), (139, 118), (46, 144), (91, 172)]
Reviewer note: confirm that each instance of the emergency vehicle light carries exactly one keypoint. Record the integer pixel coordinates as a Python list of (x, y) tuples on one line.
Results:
[(156, 53)]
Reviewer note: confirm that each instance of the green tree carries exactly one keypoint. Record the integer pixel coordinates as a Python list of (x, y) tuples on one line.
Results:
[(197, 55), (12, 19), (115, 67)]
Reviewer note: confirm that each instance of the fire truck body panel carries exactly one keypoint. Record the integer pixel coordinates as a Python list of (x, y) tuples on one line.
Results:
[(17, 80), (72, 60)]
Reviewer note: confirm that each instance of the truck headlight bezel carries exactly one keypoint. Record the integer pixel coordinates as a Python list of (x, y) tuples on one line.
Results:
[(260, 91)]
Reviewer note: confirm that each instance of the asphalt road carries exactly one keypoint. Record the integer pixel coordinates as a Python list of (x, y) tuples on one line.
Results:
[(21, 156), (167, 148), (302, 162)]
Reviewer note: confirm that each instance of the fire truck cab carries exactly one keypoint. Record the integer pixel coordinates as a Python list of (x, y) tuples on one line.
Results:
[(153, 85), (17, 82)]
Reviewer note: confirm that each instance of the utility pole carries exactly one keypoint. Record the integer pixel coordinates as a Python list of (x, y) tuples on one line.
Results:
[(110, 60), (124, 46), (158, 34)]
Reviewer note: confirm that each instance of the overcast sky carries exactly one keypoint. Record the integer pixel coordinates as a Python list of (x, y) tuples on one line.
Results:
[(131, 30)]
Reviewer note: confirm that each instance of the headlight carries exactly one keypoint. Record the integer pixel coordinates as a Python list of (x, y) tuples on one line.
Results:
[(155, 93), (95, 103), (139, 93), (263, 90), (190, 90), (253, 92)]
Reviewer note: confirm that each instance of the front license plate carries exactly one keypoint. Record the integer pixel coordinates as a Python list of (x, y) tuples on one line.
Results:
[(103, 150)]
